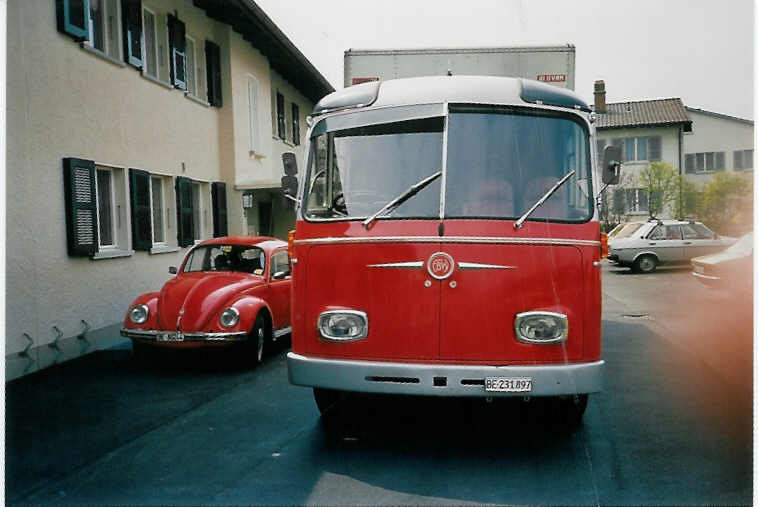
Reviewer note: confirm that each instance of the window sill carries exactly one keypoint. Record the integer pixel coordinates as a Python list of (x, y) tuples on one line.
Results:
[(195, 98), (93, 51), (163, 249), (112, 253), (156, 80), (258, 155)]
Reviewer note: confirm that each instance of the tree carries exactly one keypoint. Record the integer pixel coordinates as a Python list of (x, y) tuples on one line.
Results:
[(662, 184), (688, 199), (727, 203)]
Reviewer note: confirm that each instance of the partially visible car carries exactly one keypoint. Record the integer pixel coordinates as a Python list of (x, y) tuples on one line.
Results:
[(228, 291), (732, 268), (643, 246)]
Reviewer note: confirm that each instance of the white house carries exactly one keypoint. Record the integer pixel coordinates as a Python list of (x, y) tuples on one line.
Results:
[(135, 129)]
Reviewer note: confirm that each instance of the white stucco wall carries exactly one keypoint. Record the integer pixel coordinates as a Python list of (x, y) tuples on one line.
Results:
[(712, 133), (64, 101)]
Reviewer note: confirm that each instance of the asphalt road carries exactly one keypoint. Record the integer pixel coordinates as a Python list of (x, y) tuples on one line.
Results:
[(673, 425)]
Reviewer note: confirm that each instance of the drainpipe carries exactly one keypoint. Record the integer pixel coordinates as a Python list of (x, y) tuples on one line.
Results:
[(681, 138)]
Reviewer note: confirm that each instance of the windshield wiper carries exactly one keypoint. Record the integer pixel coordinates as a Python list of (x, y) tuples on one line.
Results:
[(397, 201), (542, 199)]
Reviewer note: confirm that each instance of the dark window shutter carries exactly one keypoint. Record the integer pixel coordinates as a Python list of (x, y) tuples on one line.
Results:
[(139, 189), (184, 211), (654, 148), (177, 48), (213, 71), (81, 206), (280, 119), (689, 163), (218, 196), (73, 18), (131, 16)]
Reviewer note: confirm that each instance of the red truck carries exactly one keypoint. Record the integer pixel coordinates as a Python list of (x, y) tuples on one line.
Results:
[(447, 242)]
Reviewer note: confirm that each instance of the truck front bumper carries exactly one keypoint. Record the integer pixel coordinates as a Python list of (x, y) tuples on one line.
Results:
[(440, 379)]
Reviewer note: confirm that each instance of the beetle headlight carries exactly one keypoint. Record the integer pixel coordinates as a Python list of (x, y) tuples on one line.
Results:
[(343, 325), (139, 314), (541, 327), (229, 317)]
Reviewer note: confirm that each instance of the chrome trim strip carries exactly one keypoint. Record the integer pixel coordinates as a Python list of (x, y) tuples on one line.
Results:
[(706, 277), (450, 239), (350, 375), (151, 334), (400, 265), (474, 265), (283, 331)]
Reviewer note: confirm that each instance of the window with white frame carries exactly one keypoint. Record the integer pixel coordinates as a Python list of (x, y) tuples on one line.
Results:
[(158, 209), (636, 200), (200, 206), (743, 159), (252, 114), (150, 34), (639, 149), (191, 66), (281, 117), (110, 188), (104, 24)]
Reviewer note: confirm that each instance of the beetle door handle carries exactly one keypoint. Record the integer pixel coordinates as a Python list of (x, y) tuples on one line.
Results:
[(651, 243), (688, 242)]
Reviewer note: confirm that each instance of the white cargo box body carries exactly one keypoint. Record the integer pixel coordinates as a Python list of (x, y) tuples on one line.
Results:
[(550, 64)]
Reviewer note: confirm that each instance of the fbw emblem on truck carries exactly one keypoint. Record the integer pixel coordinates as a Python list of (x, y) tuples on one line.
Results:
[(447, 243), (440, 265)]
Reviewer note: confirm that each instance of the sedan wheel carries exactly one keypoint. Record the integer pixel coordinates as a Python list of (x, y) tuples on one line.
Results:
[(645, 264)]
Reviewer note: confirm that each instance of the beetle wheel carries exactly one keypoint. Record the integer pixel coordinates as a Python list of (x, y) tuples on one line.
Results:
[(257, 339)]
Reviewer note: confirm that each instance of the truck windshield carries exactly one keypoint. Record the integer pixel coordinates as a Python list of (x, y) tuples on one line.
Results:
[(355, 172), (500, 164)]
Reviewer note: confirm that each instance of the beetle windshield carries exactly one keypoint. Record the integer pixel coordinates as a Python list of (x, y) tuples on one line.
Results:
[(355, 172), (499, 164), (242, 258)]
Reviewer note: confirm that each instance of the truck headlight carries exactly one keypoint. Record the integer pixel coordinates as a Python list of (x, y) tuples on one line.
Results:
[(139, 314), (229, 317), (343, 325), (541, 327)]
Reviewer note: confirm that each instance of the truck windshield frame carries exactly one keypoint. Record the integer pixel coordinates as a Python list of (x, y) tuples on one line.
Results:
[(491, 157)]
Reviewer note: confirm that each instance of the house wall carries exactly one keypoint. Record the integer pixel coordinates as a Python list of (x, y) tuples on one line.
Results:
[(66, 101), (717, 134), (631, 170)]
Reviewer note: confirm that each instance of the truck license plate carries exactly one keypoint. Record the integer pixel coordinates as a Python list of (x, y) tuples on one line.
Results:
[(508, 384), (171, 337)]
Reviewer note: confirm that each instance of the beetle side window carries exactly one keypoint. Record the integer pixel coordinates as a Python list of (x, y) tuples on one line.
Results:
[(696, 231), (658, 233), (280, 262)]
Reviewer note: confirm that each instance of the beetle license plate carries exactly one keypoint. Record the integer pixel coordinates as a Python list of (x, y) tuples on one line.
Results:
[(508, 384), (171, 337)]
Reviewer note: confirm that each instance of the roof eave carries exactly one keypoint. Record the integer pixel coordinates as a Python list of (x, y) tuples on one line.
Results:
[(263, 34)]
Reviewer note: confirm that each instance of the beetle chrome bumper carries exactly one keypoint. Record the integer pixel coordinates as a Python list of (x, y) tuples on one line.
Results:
[(426, 379), (177, 336)]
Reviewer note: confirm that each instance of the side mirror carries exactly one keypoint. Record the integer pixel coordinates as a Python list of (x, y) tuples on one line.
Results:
[(172, 270), (289, 180), (611, 165)]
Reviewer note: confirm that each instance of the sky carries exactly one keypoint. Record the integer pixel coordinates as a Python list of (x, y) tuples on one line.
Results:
[(699, 50)]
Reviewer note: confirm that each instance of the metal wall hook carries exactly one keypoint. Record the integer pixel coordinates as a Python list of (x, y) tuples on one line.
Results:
[(83, 334), (58, 336), (25, 352)]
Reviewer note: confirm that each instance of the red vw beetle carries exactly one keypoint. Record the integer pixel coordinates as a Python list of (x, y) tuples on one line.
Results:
[(231, 290)]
